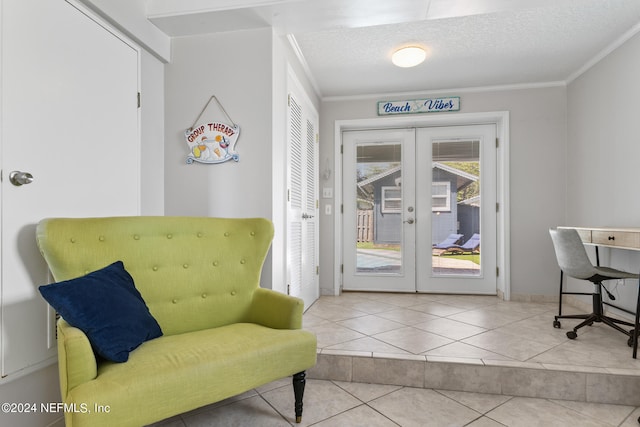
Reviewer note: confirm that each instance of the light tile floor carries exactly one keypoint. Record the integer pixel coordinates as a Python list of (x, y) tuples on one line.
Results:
[(465, 326), (437, 326)]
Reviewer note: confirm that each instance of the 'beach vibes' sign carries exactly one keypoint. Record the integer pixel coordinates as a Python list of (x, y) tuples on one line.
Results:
[(427, 105), (212, 143)]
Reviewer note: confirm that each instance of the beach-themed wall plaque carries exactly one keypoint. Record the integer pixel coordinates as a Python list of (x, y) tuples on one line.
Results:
[(212, 142), (425, 105)]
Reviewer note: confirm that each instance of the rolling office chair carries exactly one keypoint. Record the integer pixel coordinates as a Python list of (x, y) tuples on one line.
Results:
[(574, 261)]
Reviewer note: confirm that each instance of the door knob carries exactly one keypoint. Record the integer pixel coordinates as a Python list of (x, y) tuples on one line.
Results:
[(18, 178)]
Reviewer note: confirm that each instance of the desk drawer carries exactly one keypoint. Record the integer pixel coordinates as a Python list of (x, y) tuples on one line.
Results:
[(584, 234), (622, 239)]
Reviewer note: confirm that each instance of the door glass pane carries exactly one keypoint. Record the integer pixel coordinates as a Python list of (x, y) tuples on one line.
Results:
[(378, 208), (455, 205)]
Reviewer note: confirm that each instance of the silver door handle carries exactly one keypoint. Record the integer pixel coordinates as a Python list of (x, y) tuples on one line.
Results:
[(410, 221), (306, 216), (18, 178)]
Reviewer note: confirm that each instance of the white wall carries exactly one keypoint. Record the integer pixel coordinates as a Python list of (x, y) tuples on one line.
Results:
[(129, 16), (537, 148), (152, 135), (40, 387), (279, 167), (603, 154), (236, 67), (246, 71)]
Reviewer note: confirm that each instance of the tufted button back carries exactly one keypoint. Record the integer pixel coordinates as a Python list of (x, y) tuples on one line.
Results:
[(193, 272)]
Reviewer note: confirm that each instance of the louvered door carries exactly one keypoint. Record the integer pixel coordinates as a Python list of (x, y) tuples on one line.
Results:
[(302, 224)]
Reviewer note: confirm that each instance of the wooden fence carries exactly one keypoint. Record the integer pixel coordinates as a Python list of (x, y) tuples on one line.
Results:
[(365, 225)]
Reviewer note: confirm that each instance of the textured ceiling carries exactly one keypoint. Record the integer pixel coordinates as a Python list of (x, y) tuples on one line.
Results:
[(347, 44)]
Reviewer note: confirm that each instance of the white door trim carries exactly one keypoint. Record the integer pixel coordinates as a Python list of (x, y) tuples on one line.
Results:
[(499, 118)]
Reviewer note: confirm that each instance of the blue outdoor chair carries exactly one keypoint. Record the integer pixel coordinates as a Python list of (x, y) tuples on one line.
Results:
[(470, 246), (451, 240)]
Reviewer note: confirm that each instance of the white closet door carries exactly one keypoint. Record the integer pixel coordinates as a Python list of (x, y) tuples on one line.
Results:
[(302, 228), (70, 119), (310, 285), (295, 198)]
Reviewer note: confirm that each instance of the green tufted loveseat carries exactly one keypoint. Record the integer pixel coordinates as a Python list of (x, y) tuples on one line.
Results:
[(222, 333)]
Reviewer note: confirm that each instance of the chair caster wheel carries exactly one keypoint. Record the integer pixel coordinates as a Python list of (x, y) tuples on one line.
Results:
[(572, 335), (556, 324)]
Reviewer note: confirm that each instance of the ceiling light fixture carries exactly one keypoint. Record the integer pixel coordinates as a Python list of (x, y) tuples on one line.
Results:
[(409, 56)]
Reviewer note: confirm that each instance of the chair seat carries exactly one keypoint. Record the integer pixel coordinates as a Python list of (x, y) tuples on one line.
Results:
[(608, 273), (451, 240)]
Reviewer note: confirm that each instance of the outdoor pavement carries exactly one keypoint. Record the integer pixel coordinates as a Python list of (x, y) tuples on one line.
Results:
[(384, 260)]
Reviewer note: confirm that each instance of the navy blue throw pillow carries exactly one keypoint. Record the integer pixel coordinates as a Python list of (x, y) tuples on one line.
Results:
[(108, 308)]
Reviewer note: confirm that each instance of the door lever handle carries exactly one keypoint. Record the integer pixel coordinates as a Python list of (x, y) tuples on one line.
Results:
[(410, 221), (18, 178), (306, 216)]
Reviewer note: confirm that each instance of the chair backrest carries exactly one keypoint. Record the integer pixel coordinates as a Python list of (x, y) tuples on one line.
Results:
[(193, 273), (570, 252), (473, 242), (451, 240)]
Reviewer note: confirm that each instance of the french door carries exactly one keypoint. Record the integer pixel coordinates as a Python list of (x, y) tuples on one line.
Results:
[(420, 210), (379, 245)]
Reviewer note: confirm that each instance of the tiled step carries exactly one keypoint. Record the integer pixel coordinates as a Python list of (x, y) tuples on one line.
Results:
[(585, 384)]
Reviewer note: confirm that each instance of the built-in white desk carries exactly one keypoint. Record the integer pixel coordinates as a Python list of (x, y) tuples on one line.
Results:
[(627, 238), (612, 237)]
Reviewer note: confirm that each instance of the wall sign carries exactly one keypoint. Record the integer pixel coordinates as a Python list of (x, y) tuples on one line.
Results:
[(426, 105), (212, 142)]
